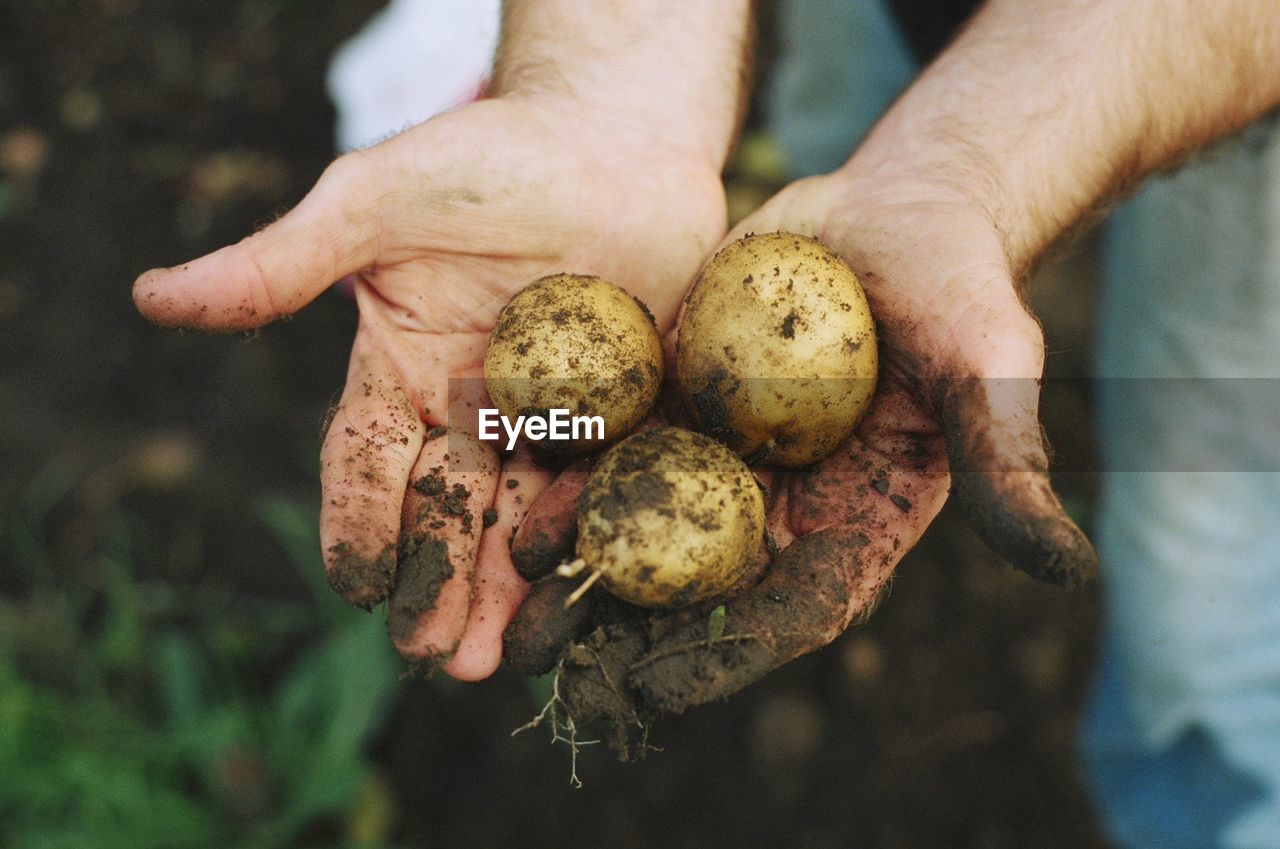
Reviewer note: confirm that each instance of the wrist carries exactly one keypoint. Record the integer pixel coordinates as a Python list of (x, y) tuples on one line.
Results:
[(1042, 112), (644, 73), (613, 146), (983, 163), (928, 164)]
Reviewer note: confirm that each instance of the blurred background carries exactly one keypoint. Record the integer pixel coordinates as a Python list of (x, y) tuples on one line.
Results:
[(174, 671)]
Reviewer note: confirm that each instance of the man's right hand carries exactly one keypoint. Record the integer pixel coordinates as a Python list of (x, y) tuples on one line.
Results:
[(600, 153)]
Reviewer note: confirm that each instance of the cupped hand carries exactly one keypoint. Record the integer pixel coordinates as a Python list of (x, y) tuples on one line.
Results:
[(955, 410), (439, 227)]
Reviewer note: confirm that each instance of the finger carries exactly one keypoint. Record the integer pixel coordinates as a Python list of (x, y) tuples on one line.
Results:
[(543, 626), (369, 448), (1002, 484), (498, 589), (775, 484), (278, 270), (451, 484), (755, 570), (546, 536), (998, 455)]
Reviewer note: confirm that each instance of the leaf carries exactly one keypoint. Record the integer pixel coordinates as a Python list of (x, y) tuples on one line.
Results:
[(179, 671), (715, 624), (324, 717), (298, 532)]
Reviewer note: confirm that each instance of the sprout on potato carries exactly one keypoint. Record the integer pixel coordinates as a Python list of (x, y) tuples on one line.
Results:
[(668, 518), (777, 350), (577, 343)]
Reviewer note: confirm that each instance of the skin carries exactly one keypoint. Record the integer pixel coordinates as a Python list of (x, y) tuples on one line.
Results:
[(441, 225)]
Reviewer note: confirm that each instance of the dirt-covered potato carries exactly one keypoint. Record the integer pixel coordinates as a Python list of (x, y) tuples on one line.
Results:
[(668, 518), (577, 343), (777, 349)]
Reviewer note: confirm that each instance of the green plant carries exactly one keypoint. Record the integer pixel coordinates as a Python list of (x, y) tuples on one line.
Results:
[(181, 718)]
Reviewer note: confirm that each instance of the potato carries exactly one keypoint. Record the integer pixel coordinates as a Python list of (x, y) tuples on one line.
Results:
[(777, 350), (576, 343), (668, 518)]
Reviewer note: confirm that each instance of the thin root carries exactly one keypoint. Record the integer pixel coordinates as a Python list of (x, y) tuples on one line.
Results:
[(563, 728), (672, 651), (572, 568), (581, 590)]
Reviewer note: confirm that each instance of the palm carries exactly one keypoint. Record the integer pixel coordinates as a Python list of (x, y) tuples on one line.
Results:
[(960, 359), (470, 207), (953, 334)]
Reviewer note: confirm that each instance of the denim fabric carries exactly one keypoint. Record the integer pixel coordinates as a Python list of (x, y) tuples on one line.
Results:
[(1183, 724), (840, 64), (1182, 794)]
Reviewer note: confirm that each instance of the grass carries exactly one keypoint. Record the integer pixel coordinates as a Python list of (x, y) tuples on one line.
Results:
[(133, 713)]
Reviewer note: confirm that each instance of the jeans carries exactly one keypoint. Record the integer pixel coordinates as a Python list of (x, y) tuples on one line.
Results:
[(1181, 734)]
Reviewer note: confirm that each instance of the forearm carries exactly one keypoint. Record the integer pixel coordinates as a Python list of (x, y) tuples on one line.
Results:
[(673, 72), (1043, 109)]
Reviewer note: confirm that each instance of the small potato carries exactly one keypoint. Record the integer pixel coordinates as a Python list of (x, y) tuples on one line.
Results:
[(577, 343), (668, 518), (777, 349)]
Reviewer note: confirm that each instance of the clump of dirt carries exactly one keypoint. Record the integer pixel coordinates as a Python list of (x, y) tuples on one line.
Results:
[(593, 680), (455, 503), (364, 581), (713, 415), (424, 568), (442, 502), (638, 665), (430, 485), (640, 491)]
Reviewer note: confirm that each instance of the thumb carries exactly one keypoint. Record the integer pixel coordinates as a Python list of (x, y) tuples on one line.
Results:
[(278, 270), (996, 447)]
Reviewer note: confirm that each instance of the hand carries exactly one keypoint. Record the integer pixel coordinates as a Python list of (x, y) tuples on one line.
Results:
[(956, 405), (440, 226)]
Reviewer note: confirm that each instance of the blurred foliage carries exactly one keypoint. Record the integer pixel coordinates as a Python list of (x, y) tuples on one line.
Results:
[(755, 173), (133, 712)]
